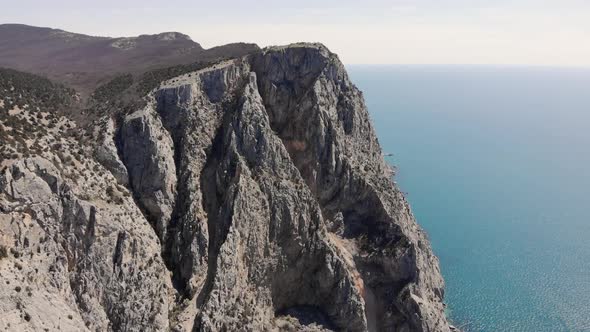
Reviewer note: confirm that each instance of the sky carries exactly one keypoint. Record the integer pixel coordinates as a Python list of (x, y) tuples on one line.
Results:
[(502, 32)]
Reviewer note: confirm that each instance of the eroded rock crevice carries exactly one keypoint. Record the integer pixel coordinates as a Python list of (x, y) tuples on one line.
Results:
[(214, 192)]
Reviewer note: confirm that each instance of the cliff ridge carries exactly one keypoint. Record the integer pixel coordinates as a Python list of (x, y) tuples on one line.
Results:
[(251, 194)]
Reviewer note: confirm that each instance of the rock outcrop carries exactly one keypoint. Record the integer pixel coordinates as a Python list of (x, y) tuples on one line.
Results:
[(250, 195)]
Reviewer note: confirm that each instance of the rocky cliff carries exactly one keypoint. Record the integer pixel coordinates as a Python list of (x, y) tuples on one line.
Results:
[(249, 195)]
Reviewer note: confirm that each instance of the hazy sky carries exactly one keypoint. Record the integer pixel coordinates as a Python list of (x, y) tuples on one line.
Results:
[(532, 32)]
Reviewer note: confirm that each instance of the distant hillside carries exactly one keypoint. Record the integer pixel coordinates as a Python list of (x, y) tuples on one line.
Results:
[(84, 62)]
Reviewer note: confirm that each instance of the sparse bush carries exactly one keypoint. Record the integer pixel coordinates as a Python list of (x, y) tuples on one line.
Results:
[(3, 252)]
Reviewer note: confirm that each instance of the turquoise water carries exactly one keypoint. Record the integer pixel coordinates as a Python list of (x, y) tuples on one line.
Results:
[(496, 165)]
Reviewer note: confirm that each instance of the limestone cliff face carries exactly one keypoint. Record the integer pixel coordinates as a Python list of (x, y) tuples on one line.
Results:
[(251, 195)]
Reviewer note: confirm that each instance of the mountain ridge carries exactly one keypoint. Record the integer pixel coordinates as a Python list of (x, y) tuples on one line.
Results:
[(248, 193), (84, 62)]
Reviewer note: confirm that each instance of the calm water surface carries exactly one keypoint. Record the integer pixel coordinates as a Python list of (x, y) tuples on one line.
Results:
[(496, 164)]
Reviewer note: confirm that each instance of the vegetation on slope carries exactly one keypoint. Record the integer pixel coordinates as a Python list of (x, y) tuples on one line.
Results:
[(113, 88), (31, 114), (19, 89)]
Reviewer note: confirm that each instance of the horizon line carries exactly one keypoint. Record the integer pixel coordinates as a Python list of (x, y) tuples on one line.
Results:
[(547, 66)]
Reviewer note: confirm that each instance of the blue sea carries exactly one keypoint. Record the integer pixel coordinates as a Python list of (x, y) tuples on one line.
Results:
[(495, 162)]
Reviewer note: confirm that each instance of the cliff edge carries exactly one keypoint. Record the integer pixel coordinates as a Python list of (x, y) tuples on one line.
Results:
[(248, 195)]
